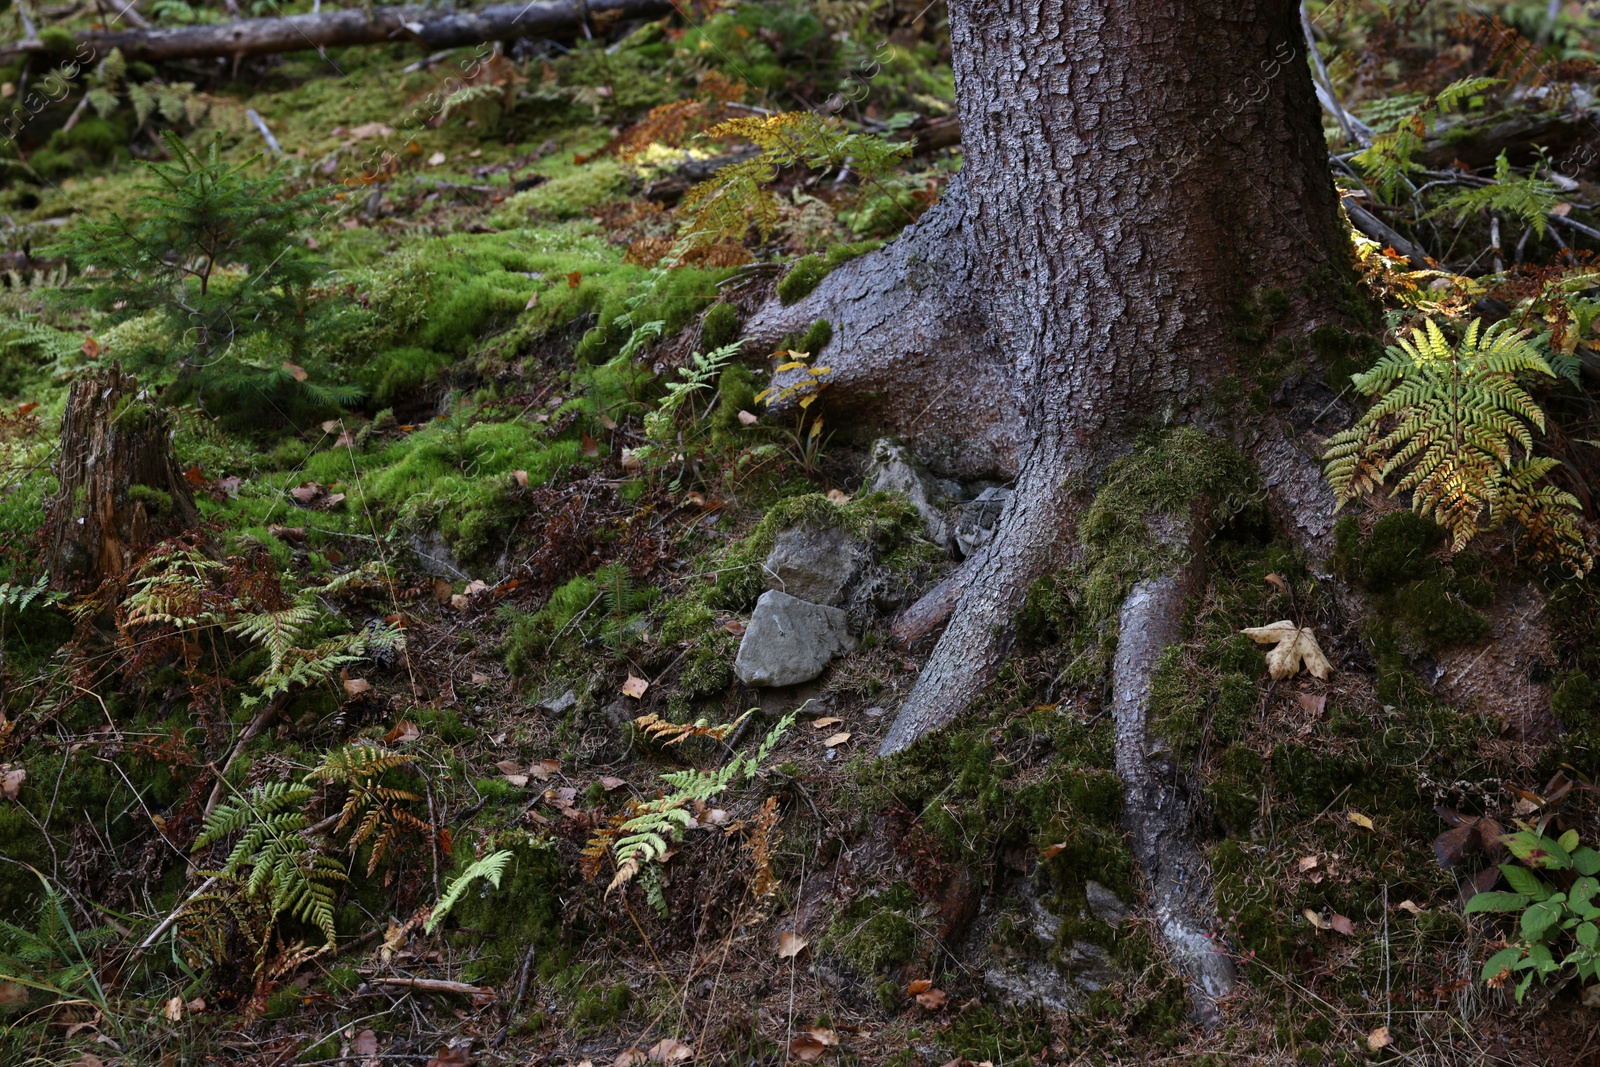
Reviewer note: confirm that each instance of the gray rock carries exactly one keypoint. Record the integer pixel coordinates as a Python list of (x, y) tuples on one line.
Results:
[(1104, 904), (892, 470), (814, 564), (620, 712), (434, 557), (790, 641), (978, 519), (560, 705)]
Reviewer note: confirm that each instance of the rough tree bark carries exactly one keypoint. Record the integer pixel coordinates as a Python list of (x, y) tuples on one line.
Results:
[(120, 489), (1132, 169)]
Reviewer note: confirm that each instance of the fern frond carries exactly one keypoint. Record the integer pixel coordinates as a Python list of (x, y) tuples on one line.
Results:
[(1452, 425), (489, 867)]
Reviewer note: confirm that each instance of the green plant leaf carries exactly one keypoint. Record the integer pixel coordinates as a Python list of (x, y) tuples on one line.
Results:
[(1586, 860), (1537, 851), (1496, 901), (1538, 920), (1524, 881), (1568, 840), (1506, 957)]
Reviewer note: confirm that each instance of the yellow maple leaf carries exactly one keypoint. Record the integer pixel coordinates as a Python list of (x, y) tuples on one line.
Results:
[(1294, 647)]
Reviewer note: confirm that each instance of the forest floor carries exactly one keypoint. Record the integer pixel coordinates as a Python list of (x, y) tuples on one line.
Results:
[(513, 567)]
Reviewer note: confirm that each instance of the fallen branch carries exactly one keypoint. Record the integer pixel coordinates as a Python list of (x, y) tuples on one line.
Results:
[(436, 985), (335, 29)]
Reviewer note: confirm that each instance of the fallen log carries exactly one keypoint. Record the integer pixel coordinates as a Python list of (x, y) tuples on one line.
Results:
[(332, 29)]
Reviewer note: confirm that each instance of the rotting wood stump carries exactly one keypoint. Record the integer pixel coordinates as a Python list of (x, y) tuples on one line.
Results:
[(120, 488)]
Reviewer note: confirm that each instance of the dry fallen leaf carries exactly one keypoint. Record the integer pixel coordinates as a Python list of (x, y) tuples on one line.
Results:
[(837, 739), (460, 602), (1278, 582), (479, 678), (459, 1056), (11, 779), (671, 1050), (544, 769), (808, 1046), (1306, 863), (609, 783), (1341, 925), (837, 496), (1409, 905), (634, 687), (356, 686), (436, 159), (823, 724), (365, 1045), (511, 771), (747, 419), (920, 985), (1379, 1039), (630, 1057), (1294, 647), (1313, 704), (12, 994), (1053, 851), (1359, 819), (1314, 919), (790, 945), (588, 445), (296, 372), (175, 1009), (734, 627), (404, 730), (933, 999)]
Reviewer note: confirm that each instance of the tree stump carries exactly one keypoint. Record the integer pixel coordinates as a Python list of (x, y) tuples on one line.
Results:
[(120, 488)]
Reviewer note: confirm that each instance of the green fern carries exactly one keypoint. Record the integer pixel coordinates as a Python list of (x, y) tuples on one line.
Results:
[(17, 597), (1392, 156), (274, 861), (1455, 425), (1527, 198), (646, 837), (490, 867)]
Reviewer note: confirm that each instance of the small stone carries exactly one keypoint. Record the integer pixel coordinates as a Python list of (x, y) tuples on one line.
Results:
[(814, 564), (560, 705), (892, 470), (979, 518), (790, 641), (1104, 904)]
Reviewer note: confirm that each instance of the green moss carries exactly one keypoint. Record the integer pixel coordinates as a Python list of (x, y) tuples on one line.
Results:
[(802, 280), (524, 912), (736, 391), (886, 519), (808, 271), (1343, 353), (157, 502), (719, 327), (1430, 604), (875, 932), (1167, 476), (1574, 700)]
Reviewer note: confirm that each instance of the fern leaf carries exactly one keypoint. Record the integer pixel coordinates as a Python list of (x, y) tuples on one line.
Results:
[(489, 867)]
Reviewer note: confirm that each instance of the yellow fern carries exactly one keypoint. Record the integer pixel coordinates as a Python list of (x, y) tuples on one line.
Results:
[(1453, 426)]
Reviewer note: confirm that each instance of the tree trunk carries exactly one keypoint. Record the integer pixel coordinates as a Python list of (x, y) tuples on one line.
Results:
[(335, 29), (120, 489), (1133, 169)]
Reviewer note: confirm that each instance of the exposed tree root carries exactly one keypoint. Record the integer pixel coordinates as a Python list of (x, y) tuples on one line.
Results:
[(1159, 801), (913, 355)]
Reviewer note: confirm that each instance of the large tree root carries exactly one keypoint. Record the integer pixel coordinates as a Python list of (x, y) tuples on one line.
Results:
[(1159, 802)]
